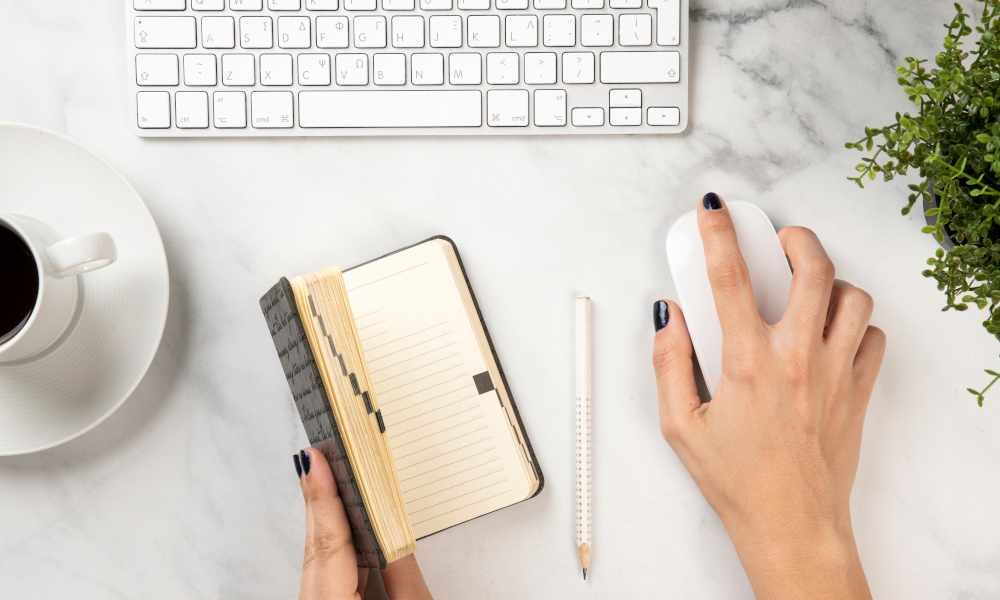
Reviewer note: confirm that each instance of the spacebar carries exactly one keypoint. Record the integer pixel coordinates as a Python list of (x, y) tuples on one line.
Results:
[(391, 108)]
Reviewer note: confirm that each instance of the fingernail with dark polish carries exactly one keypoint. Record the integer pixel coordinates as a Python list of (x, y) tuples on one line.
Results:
[(712, 201), (306, 462), (661, 314), (298, 465)]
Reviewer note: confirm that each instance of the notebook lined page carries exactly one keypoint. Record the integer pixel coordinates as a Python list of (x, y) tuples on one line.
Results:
[(450, 440)]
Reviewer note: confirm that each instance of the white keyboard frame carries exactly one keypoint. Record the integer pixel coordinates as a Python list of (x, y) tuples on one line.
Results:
[(595, 94)]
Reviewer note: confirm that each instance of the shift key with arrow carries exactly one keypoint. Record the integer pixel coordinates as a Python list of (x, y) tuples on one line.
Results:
[(165, 32), (156, 69)]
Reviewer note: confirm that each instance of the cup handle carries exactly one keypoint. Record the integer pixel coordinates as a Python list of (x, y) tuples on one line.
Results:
[(82, 254)]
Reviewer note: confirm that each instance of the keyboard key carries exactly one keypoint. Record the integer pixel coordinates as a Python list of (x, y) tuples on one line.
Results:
[(276, 69), (192, 109), (359, 5), (635, 30), (284, 5), (627, 4), (208, 4), (507, 108), (218, 32), (391, 108), (153, 109), (435, 4), (588, 117), (156, 69), (237, 69), (246, 4), (626, 98), (199, 69), (322, 5), (165, 32), (331, 32), (314, 69), (465, 68), (550, 108), (398, 4), (560, 30), (540, 67), (159, 4), (427, 69), (389, 69), (587, 4), (256, 32), (550, 4), (640, 67), (663, 115), (352, 69), (597, 30), (484, 31), (369, 32), (668, 21), (230, 109), (522, 31), (512, 5), (446, 32), (294, 32), (473, 4), (408, 32), (271, 110), (626, 116), (501, 68), (578, 67)]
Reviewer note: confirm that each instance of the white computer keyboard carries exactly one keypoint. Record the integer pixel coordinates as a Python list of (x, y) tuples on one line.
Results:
[(234, 68)]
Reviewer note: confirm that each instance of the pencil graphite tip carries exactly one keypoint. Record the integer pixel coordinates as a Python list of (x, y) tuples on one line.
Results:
[(585, 574)]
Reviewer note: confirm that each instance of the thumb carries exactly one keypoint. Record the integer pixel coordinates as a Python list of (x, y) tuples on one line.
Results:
[(404, 581), (330, 549), (674, 368)]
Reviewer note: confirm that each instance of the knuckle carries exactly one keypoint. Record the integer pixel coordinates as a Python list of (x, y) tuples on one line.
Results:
[(715, 227), (730, 275), (818, 269), (326, 544), (665, 358), (669, 429), (859, 301)]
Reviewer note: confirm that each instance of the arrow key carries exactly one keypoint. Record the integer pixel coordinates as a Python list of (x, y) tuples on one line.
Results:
[(156, 69), (588, 117), (626, 116), (626, 98)]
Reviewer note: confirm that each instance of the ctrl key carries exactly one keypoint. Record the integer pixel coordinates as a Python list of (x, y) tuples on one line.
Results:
[(230, 110), (153, 110)]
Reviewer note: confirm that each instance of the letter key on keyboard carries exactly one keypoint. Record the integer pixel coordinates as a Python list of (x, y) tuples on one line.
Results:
[(264, 68)]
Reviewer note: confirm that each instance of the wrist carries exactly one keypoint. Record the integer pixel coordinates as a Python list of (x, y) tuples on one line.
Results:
[(798, 556)]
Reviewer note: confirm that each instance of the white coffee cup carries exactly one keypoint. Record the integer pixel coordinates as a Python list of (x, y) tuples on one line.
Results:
[(59, 261)]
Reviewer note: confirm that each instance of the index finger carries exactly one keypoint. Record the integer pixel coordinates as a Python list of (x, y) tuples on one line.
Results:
[(727, 271)]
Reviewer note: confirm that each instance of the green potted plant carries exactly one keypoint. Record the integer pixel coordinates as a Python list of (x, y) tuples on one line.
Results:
[(953, 143)]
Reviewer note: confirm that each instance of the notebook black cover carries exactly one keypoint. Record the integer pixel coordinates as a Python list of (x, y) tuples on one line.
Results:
[(309, 394)]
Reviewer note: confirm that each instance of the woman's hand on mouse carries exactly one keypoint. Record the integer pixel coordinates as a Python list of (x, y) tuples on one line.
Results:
[(330, 569), (776, 451)]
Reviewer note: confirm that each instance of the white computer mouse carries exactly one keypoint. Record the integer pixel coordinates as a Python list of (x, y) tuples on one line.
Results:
[(770, 277)]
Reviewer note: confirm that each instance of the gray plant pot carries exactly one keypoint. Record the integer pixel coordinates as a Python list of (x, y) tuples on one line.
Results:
[(947, 243)]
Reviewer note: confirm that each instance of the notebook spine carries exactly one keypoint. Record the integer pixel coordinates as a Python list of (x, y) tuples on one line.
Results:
[(311, 400)]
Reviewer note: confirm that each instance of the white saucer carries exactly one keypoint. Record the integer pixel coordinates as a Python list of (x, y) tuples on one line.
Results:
[(74, 385)]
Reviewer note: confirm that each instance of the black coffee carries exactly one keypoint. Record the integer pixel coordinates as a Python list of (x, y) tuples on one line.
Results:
[(18, 283)]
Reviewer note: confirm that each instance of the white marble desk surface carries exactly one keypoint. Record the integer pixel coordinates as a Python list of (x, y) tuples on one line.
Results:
[(188, 490)]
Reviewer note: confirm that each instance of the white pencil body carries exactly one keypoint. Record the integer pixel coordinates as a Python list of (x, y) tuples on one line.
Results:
[(584, 517)]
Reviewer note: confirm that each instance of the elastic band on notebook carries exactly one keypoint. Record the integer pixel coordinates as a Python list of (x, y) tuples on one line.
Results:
[(381, 423), (354, 384), (312, 306), (368, 402), (343, 367), (322, 325)]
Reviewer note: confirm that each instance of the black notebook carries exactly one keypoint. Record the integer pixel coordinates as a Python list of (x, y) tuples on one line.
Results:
[(396, 381)]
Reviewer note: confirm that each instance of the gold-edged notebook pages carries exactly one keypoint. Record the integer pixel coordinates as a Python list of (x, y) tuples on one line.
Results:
[(329, 327), (453, 448)]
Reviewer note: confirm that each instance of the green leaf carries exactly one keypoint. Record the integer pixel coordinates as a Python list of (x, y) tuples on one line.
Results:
[(928, 229)]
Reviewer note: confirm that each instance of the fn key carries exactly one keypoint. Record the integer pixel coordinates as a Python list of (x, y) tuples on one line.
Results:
[(269, 110)]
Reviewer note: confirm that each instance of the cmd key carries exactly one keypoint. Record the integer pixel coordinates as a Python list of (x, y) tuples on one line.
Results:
[(165, 32)]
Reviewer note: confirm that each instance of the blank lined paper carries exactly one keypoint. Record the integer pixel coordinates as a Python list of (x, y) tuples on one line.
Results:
[(452, 445)]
